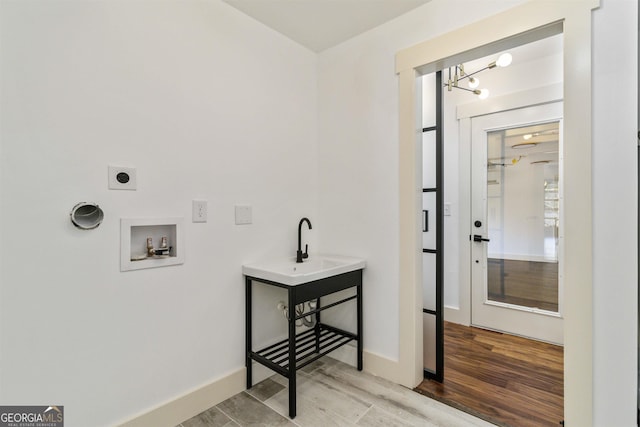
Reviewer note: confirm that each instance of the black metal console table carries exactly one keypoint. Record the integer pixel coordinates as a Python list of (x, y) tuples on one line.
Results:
[(287, 356)]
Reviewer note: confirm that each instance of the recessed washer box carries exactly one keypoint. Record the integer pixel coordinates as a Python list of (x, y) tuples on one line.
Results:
[(134, 239), (122, 178)]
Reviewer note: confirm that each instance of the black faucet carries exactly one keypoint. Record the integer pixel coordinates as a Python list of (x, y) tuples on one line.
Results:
[(299, 255)]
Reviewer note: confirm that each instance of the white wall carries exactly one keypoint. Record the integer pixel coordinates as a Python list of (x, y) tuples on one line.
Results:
[(207, 104), (358, 155)]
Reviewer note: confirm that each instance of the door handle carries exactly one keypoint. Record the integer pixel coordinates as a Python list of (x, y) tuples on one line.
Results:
[(425, 221), (479, 238)]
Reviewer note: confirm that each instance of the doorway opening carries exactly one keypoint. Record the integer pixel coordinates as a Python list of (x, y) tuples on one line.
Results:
[(521, 24), (502, 233)]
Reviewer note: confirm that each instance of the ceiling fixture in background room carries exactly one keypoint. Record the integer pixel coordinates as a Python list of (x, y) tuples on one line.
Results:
[(459, 74), (524, 145)]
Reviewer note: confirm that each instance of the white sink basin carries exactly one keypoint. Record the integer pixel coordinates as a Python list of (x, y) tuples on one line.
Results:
[(289, 272)]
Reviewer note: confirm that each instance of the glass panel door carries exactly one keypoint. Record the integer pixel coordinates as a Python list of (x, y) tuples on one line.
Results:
[(516, 227), (523, 216)]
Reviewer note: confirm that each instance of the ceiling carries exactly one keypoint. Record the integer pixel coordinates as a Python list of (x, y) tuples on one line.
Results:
[(321, 24)]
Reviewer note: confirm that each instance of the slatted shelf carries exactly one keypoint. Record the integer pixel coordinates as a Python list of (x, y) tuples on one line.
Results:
[(309, 347)]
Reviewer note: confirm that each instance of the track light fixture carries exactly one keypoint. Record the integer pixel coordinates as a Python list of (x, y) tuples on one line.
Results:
[(459, 74)]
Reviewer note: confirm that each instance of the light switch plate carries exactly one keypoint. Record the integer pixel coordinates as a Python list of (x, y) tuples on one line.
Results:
[(199, 211), (122, 178), (243, 215), (447, 209)]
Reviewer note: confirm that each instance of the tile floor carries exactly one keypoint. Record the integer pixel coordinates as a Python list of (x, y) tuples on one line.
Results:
[(331, 393)]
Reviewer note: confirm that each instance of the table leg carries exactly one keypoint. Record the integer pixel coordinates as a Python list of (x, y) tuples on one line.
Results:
[(248, 332), (359, 321), (292, 353)]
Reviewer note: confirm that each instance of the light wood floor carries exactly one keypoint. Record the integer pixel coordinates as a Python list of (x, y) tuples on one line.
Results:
[(507, 380)]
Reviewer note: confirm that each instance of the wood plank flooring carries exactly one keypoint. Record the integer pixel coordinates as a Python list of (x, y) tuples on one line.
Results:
[(504, 379)]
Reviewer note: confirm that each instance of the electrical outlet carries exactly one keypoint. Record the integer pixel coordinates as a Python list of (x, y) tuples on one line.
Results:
[(199, 211)]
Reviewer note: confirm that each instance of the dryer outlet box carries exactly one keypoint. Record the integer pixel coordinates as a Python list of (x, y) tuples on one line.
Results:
[(122, 178)]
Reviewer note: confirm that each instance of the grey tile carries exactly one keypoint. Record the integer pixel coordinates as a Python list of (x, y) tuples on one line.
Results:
[(313, 366), (309, 413), (212, 417), (323, 397), (279, 379), (378, 418), (405, 404), (333, 394), (265, 389), (249, 412)]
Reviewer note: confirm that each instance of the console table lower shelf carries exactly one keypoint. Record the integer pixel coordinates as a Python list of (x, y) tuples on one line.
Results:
[(298, 350)]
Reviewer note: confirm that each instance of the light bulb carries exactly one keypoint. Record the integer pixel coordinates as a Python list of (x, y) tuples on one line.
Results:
[(484, 94), (473, 82), (504, 60)]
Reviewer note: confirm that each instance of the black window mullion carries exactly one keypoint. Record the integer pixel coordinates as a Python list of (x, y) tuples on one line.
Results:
[(439, 232)]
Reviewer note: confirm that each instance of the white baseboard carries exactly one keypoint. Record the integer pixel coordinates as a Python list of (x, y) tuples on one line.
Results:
[(346, 354), (455, 315), (383, 367), (372, 363), (176, 411), (192, 403)]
